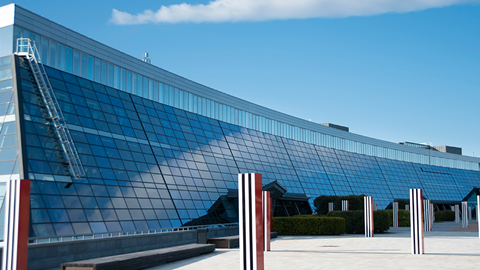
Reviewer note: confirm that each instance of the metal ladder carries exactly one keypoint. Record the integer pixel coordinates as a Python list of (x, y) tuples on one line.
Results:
[(26, 47)]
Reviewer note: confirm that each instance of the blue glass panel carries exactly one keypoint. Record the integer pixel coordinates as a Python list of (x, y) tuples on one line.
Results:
[(36, 201), (5, 86), (43, 230), (8, 153), (63, 228), (76, 215), (113, 226), (93, 215), (81, 228), (89, 202), (98, 227), (127, 226), (109, 215), (58, 215), (104, 202), (8, 128), (47, 187), (53, 201), (153, 224), (141, 225)]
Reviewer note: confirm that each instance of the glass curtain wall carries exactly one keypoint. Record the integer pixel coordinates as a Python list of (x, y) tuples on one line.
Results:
[(151, 166), (60, 56)]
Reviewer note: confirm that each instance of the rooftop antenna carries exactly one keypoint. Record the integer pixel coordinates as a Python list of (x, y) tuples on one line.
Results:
[(145, 58)]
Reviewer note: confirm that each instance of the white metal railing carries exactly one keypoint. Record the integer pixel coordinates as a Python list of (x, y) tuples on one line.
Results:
[(26, 47), (42, 240)]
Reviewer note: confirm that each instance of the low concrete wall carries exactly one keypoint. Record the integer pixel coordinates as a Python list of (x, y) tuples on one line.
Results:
[(51, 255), (219, 232)]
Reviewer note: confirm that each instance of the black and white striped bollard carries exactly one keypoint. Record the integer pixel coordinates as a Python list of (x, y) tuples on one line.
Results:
[(368, 215), (267, 219), (457, 213), (427, 215), (16, 224), (395, 214), (478, 214), (250, 219), (416, 221), (464, 214), (345, 206)]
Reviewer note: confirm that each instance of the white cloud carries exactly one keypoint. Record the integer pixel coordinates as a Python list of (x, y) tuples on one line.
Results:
[(262, 10)]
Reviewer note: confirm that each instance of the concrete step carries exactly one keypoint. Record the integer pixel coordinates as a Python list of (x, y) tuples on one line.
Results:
[(231, 241), (141, 260)]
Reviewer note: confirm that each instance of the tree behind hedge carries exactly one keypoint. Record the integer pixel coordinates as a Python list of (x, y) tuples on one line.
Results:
[(445, 215), (402, 203), (321, 203)]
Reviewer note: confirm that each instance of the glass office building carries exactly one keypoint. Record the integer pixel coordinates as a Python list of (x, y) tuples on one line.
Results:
[(161, 151)]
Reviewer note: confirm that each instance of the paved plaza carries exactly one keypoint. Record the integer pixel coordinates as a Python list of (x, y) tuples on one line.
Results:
[(447, 247)]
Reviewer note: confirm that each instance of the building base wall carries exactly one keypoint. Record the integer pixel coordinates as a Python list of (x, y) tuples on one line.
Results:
[(51, 255)]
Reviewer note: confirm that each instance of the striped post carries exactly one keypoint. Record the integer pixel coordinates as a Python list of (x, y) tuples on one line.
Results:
[(250, 217), (267, 219), (368, 215), (470, 213), (464, 214), (416, 221), (457, 213), (331, 207), (395, 214), (432, 213), (407, 207), (478, 214), (427, 216), (16, 225), (345, 205)]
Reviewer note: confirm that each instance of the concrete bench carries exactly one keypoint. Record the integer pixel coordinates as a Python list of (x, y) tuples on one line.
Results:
[(141, 260), (231, 241), (225, 242)]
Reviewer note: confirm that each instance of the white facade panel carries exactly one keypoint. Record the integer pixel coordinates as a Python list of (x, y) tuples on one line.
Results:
[(7, 14)]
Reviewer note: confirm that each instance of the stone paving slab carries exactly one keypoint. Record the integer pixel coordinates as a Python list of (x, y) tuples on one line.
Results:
[(445, 249), (472, 227)]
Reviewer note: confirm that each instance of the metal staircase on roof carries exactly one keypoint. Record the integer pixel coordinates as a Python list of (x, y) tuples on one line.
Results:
[(26, 47)]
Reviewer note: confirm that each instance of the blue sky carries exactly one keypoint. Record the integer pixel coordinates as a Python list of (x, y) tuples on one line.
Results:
[(411, 76)]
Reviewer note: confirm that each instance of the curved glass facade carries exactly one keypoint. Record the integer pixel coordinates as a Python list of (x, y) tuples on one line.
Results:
[(150, 165), (65, 58)]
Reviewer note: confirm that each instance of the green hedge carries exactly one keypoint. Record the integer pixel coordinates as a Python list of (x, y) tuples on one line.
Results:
[(321, 203), (403, 217), (446, 215), (308, 225), (354, 222)]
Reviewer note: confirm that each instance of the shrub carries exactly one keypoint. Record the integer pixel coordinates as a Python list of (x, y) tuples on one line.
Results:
[(321, 203), (354, 222), (403, 217), (308, 225), (446, 215), (381, 221)]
